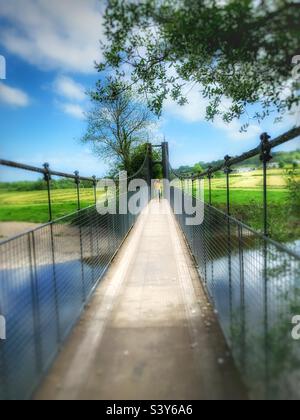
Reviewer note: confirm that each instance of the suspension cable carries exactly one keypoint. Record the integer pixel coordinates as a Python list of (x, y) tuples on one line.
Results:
[(180, 176), (140, 169), (284, 138)]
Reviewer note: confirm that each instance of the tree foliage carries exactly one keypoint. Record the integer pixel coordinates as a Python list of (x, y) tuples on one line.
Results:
[(293, 184), (236, 49), (139, 155), (117, 123)]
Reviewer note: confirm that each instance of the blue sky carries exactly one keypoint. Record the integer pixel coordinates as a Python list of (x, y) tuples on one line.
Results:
[(50, 48)]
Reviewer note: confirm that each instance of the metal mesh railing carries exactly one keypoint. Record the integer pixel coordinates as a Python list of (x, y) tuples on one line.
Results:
[(258, 201), (254, 285), (46, 278)]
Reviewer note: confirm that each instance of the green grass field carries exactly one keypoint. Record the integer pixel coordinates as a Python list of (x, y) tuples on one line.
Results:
[(246, 202), (33, 206)]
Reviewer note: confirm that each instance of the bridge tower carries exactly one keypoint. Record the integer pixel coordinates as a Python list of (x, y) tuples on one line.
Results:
[(165, 160), (150, 164)]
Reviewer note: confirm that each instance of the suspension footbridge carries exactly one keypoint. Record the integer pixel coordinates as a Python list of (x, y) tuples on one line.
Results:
[(146, 306), (150, 332)]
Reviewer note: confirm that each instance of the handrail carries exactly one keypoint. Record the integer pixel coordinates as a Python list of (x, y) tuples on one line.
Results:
[(260, 235), (48, 173), (284, 138), (263, 151), (43, 171)]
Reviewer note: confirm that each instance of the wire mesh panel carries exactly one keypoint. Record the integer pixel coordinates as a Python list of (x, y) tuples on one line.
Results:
[(46, 278), (254, 284)]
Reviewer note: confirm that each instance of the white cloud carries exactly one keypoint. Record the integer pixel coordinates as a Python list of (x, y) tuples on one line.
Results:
[(233, 130), (56, 34), (13, 96), (73, 110), (68, 88), (73, 92), (194, 111)]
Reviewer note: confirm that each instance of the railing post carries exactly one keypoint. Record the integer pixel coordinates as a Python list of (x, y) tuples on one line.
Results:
[(84, 296), (227, 171), (35, 302), (210, 176), (106, 195), (77, 182), (265, 157), (194, 198), (56, 298), (193, 187), (91, 232), (266, 320), (242, 299), (47, 178), (95, 188)]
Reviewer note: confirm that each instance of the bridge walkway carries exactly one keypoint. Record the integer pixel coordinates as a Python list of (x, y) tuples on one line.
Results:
[(149, 332)]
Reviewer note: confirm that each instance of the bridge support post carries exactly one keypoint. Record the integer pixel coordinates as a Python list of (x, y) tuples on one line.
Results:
[(95, 188), (265, 157), (210, 176), (194, 190), (165, 160), (150, 168), (47, 178), (77, 183), (165, 165), (228, 171)]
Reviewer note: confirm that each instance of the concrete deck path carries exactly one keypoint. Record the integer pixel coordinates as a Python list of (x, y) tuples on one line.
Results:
[(149, 331)]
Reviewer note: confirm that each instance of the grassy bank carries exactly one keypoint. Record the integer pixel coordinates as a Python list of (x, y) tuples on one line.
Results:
[(246, 198), (32, 206), (247, 206)]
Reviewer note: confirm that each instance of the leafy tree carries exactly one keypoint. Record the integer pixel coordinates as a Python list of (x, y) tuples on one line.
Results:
[(138, 160), (184, 170), (117, 123), (293, 184), (238, 49), (197, 169), (282, 164)]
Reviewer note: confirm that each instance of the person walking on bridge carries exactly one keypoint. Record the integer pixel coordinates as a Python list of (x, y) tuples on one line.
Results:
[(158, 190)]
